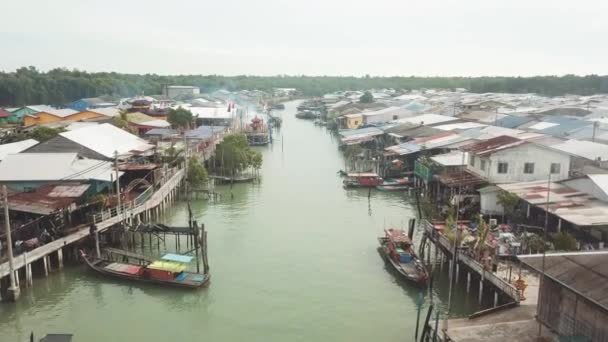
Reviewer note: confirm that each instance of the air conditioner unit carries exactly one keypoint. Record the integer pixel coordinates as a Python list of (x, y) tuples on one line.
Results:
[(493, 223)]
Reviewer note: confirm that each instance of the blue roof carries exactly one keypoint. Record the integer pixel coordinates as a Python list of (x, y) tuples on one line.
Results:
[(366, 130), (566, 125), (177, 258), (512, 121)]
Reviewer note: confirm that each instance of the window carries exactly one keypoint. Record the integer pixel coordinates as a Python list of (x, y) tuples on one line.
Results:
[(555, 168), (529, 168), (482, 165), (503, 167), (356, 122), (472, 160)]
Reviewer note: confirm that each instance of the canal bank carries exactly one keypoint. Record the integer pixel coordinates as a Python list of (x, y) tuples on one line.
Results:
[(293, 258)]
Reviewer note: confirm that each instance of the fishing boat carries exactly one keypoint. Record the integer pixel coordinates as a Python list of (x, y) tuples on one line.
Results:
[(362, 180), (398, 250), (170, 270)]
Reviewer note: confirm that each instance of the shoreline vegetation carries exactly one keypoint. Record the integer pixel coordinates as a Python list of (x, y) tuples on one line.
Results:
[(28, 85)]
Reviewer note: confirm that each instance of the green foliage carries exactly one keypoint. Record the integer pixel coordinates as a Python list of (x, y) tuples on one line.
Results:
[(197, 173), (234, 155), (508, 201), (367, 97), (43, 134), (563, 241), (59, 86), (180, 117), (256, 160)]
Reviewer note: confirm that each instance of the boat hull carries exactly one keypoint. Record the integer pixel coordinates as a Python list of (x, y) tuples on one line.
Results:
[(406, 271), (94, 265)]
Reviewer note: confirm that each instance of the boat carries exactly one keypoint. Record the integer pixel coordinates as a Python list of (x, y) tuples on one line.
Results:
[(397, 181), (170, 270), (257, 132), (362, 180), (398, 249), (392, 187)]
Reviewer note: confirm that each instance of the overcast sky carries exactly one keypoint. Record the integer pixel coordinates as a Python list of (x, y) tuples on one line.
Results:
[(314, 37)]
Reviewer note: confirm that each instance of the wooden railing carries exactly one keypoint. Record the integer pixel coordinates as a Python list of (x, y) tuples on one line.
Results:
[(475, 266)]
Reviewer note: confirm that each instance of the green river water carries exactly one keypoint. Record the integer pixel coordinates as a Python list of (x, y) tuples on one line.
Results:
[(292, 259)]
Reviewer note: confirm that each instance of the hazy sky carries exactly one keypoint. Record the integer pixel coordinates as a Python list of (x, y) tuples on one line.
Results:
[(329, 37)]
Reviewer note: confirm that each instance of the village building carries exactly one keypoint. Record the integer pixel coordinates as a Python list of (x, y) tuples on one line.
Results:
[(25, 172), (55, 115), (96, 142), (572, 298), (507, 159)]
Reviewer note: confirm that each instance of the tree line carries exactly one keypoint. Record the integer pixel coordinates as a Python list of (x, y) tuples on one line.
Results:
[(59, 86)]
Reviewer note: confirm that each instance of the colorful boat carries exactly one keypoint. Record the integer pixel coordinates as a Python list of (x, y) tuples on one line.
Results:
[(362, 180), (398, 250), (170, 270)]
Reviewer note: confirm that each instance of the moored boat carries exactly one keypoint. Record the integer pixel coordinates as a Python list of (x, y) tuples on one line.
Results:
[(170, 270), (362, 180), (398, 250)]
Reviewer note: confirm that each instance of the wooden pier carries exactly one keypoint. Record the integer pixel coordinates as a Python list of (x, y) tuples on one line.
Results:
[(443, 243), (148, 205)]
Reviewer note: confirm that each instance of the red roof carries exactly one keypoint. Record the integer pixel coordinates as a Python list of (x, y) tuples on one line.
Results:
[(489, 146), (4, 113)]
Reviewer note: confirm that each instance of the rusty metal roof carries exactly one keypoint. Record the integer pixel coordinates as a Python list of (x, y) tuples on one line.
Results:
[(46, 199), (585, 273), (489, 146)]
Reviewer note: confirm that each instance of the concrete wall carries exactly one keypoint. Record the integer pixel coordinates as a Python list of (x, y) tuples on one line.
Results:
[(516, 157), (489, 201)]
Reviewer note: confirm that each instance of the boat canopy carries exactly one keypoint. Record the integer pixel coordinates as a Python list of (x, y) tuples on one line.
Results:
[(177, 258), (363, 174), (167, 266)]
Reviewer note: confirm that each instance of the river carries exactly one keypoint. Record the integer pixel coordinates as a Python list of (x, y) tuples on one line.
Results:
[(292, 258)]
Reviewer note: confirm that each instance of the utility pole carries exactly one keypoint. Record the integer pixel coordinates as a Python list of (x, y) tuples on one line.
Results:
[(595, 124), (542, 273), (117, 181), (13, 291)]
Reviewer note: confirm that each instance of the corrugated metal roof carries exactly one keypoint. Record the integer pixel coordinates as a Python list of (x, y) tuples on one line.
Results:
[(512, 121), (585, 149), (455, 158), (106, 138), (492, 145), (108, 111), (16, 147), (460, 126), (52, 167), (574, 206), (162, 132), (427, 119), (583, 272), (62, 113), (74, 191)]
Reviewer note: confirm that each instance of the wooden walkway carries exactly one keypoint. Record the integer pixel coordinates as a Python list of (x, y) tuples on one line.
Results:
[(445, 244), (103, 221)]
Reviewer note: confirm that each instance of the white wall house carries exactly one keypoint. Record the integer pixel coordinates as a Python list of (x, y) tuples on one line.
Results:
[(507, 159)]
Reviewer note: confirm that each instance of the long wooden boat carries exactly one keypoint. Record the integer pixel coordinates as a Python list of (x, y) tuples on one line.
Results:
[(398, 249), (169, 271), (362, 180)]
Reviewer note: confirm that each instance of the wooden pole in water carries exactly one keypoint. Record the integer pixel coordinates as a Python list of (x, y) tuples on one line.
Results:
[(194, 229)]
